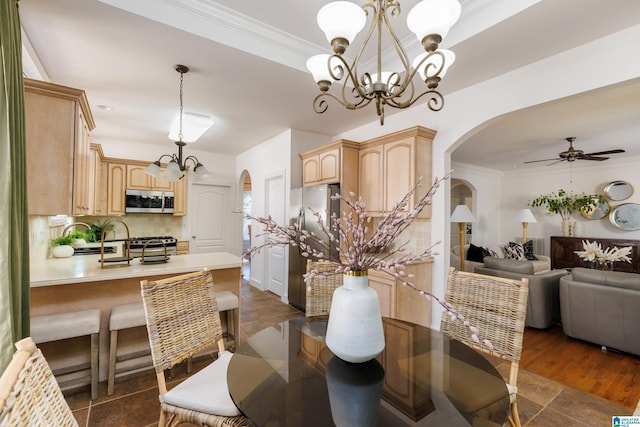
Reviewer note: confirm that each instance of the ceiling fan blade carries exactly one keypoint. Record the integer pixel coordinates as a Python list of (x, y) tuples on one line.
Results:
[(593, 158), (545, 160), (555, 163), (604, 152)]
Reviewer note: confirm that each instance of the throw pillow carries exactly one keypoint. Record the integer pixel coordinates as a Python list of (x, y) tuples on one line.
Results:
[(513, 251), (474, 253), (528, 250)]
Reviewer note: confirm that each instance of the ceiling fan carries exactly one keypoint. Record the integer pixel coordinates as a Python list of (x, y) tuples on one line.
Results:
[(573, 154)]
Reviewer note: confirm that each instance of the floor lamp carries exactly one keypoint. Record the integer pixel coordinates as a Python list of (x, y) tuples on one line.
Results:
[(525, 216), (462, 215)]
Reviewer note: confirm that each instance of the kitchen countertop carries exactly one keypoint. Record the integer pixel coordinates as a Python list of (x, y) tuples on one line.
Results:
[(86, 268)]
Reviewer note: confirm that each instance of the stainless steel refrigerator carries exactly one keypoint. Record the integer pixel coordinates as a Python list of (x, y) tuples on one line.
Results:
[(318, 198)]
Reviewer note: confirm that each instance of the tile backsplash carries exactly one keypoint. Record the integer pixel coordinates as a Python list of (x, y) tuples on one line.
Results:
[(140, 225)]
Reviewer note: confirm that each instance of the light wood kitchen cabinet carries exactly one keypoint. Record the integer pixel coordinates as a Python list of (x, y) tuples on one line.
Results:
[(180, 199), (138, 179), (97, 181), (401, 302), (390, 165), (330, 164), (58, 123), (116, 186), (182, 247)]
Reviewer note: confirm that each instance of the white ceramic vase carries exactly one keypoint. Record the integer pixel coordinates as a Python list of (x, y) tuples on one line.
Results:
[(566, 228), (354, 330), (62, 251)]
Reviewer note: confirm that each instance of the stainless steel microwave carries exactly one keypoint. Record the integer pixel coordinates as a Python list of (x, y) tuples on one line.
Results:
[(145, 201)]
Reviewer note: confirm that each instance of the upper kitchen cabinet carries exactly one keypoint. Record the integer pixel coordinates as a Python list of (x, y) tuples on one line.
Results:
[(116, 186), (334, 163), (138, 179), (58, 125), (390, 165)]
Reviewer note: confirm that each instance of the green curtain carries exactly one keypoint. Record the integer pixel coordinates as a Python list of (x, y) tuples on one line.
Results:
[(14, 224)]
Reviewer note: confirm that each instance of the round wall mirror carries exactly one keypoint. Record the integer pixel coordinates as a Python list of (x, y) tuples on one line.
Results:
[(626, 216), (618, 190), (596, 210)]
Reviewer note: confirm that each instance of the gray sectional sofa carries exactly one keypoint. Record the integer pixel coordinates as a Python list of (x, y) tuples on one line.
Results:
[(602, 307), (543, 307)]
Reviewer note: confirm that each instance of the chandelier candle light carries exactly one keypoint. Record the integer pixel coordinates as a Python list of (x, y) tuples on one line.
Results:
[(177, 166), (341, 21)]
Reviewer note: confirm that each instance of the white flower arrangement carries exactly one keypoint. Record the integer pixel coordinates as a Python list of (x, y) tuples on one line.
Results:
[(593, 252)]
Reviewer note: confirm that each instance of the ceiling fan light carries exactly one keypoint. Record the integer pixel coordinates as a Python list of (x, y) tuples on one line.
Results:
[(433, 17), (153, 169), (436, 60), (173, 172), (341, 19)]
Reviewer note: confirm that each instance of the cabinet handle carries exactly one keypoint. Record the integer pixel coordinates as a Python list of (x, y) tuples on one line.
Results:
[(193, 237)]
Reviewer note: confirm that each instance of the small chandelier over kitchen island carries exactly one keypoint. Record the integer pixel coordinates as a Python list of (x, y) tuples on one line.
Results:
[(177, 166), (430, 20)]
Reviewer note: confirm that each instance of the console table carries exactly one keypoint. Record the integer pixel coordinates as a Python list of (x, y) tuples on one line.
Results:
[(563, 252)]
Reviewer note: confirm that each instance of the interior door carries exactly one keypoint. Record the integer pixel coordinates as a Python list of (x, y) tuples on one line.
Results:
[(211, 221), (275, 201)]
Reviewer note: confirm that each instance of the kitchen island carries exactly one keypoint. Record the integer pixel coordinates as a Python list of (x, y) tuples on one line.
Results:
[(61, 285)]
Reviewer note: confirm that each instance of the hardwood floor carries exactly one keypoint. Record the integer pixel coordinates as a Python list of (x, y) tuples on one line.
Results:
[(612, 375), (562, 382)]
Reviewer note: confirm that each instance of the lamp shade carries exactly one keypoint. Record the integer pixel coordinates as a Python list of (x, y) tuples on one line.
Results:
[(524, 215), (173, 172), (341, 19), (153, 169), (433, 17), (200, 172), (462, 214), (319, 67), (436, 60)]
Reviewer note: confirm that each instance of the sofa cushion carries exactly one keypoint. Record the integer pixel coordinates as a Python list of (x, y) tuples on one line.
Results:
[(528, 250), (616, 279), (475, 253), (511, 265)]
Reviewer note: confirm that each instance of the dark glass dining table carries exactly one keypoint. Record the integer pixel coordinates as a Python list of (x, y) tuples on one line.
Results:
[(285, 375)]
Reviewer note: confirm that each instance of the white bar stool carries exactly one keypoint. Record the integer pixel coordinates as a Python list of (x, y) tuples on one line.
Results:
[(56, 327)]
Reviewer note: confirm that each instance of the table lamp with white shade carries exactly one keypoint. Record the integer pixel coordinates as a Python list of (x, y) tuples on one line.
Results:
[(525, 216), (461, 214)]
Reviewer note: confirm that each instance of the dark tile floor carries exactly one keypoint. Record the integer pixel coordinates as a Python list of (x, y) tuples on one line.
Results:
[(541, 402)]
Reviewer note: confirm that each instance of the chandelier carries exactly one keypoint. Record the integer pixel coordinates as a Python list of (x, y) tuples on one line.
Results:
[(430, 20), (177, 166)]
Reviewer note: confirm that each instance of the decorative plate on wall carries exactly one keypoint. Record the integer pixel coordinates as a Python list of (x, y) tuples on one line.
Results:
[(626, 216), (618, 190), (597, 210)]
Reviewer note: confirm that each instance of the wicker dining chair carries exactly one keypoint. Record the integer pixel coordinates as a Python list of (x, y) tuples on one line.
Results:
[(183, 320), (320, 288), (29, 393), (497, 307)]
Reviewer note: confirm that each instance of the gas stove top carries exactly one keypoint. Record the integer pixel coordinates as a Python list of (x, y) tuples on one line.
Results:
[(153, 241)]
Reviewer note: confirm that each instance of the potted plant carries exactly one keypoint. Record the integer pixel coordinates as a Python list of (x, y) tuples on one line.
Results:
[(565, 204), (79, 239), (95, 232), (62, 246)]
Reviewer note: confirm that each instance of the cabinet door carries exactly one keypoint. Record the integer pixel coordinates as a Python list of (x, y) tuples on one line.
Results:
[(180, 197), (310, 170), (116, 185), (137, 178), (370, 178), (329, 163), (385, 288), (81, 166), (399, 174), (161, 184), (100, 184)]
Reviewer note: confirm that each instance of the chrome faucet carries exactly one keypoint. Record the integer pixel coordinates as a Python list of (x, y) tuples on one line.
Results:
[(64, 232)]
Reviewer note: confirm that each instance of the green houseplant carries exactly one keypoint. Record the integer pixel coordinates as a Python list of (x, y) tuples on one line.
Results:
[(564, 204), (79, 238), (62, 246)]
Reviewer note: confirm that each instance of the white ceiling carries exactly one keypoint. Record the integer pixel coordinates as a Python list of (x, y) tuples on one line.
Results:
[(247, 70)]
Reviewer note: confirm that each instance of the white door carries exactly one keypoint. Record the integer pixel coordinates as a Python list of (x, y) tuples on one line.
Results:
[(275, 201), (211, 221)]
